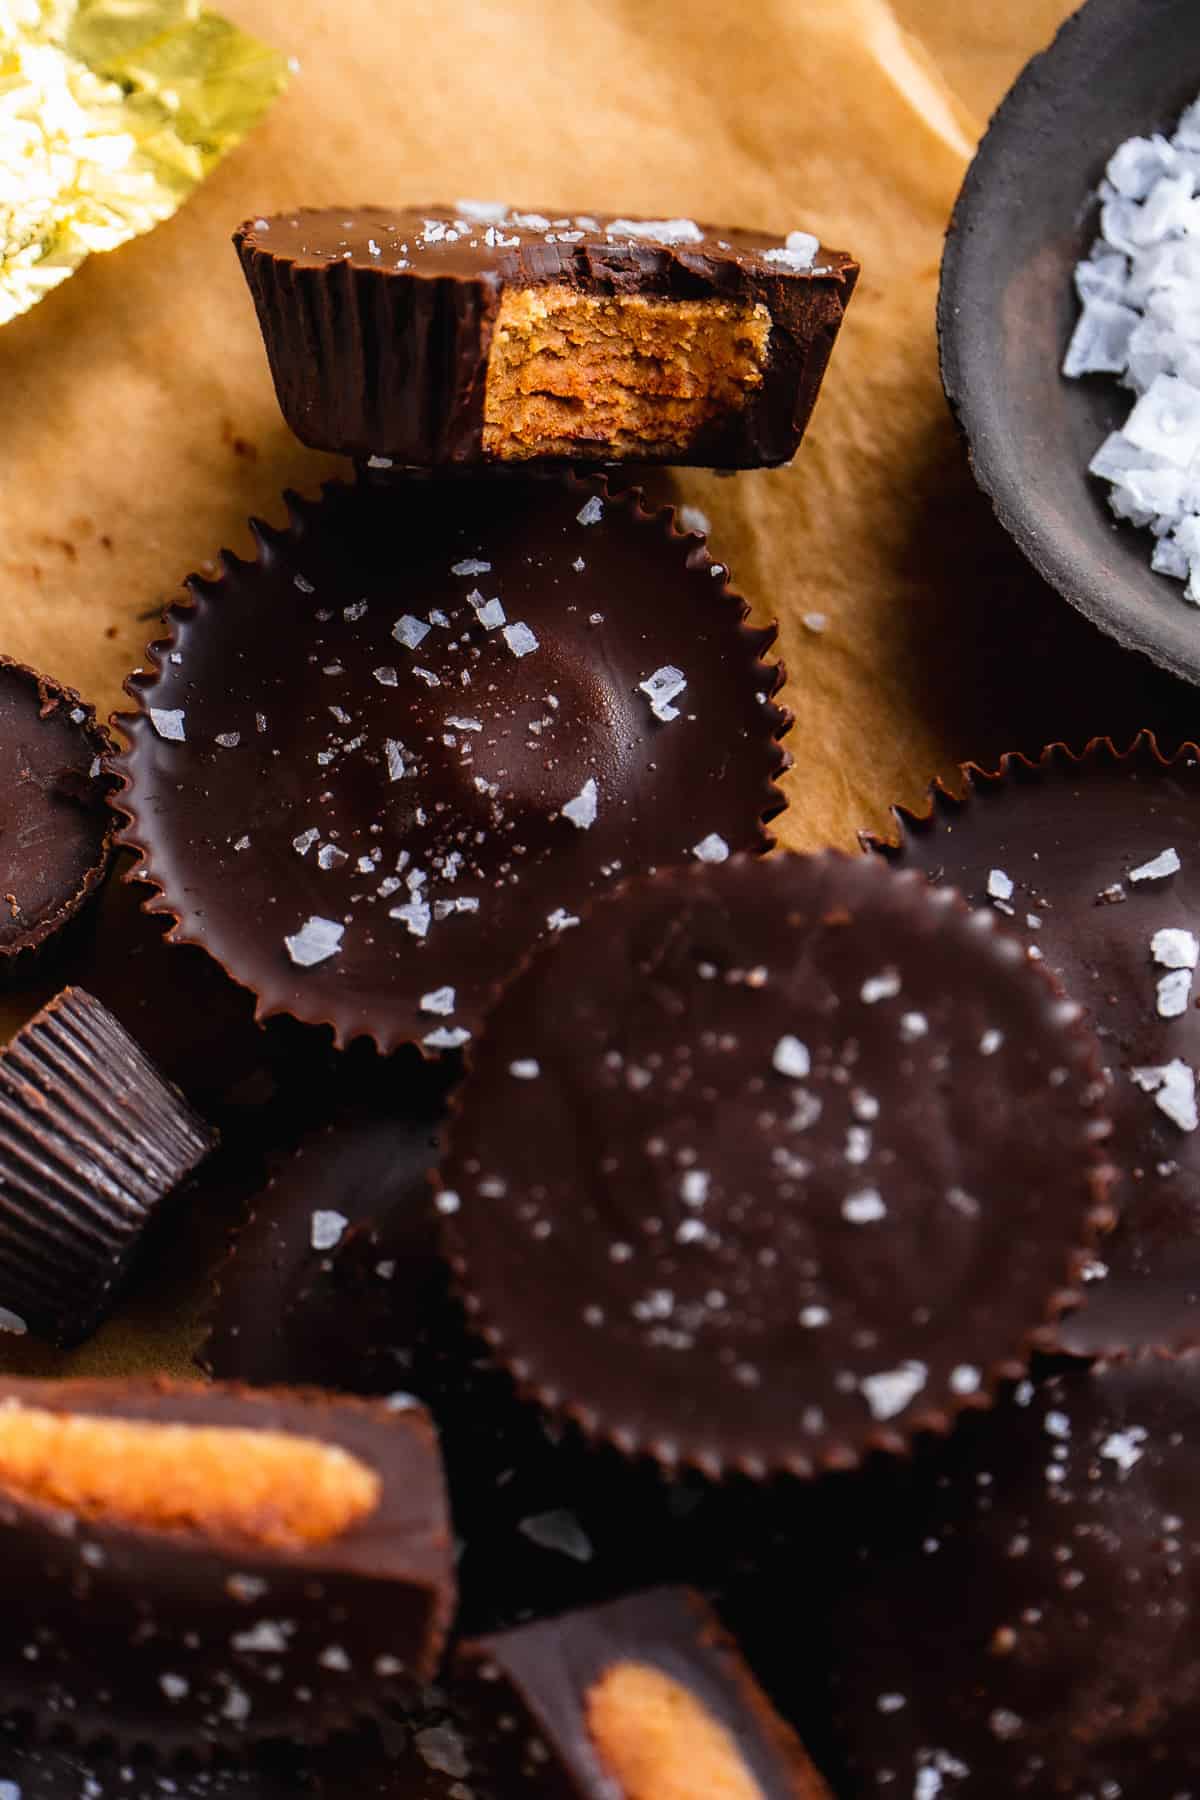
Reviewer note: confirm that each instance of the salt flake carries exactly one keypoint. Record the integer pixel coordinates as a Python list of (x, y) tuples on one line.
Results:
[(316, 941), (169, 723)]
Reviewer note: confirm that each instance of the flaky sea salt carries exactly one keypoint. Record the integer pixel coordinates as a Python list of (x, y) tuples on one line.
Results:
[(1139, 289), (797, 254), (169, 723), (657, 231), (1175, 948), (520, 640), (890, 1392), (1173, 1085), (1174, 991), (316, 941), (526, 1068), (660, 688), (582, 809), (1165, 863), (864, 1208), (591, 512), (409, 631), (999, 885), (438, 1000), (791, 1057), (447, 1037), (711, 849), (327, 1229)]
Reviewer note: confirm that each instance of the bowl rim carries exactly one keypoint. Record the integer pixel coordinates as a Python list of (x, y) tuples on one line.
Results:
[(975, 409)]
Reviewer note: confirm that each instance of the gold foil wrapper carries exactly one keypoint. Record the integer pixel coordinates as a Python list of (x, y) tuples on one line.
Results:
[(111, 112)]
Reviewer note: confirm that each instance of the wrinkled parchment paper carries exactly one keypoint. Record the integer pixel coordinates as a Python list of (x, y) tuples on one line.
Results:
[(138, 427)]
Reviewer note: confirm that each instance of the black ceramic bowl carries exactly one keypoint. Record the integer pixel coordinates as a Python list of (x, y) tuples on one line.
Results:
[(1007, 308)]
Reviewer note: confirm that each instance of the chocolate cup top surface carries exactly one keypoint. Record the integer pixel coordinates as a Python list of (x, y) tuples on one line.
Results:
[(57, 826), (1066, 832), (1026, 215), (436, 802), (1021, 1617), (770, 1164)]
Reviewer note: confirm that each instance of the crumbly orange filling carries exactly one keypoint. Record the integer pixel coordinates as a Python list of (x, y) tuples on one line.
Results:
[(657, 1741), (573, 374), (265, 1487)]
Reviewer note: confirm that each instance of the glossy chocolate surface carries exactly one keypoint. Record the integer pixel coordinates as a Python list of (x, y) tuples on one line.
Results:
[(398, 720), (769, 1163)]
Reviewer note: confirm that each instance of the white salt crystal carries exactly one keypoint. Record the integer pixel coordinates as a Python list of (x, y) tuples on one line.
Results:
[(447, 1037), (998, 885), (659, 231), (415, 914), (1165, 863), (379, 462), (591, 512), (1173, 1085), (228, 740), (1166, 420), (443, 1750), (558, 1530), (1124, 1447), (427, 676), (913, 1025), (305, 587), (526, 1068), (1175, 948), (12, 1322), (791, 1058), (1174, 992), (1100, 342), (330, 857), (304, 843), (815, 621), (327, 1229), (482, 212), (665, 685), (711, 849), (409, 631), (798, 252), (439, 1000), (520, 640), (560, 919), (316, 941), (385, 677), (890, 1392), (864, 1208), (471, 566), (168, 722), (884, 986), (964, 1379), (465, 724), (397, 759), (582, 809)]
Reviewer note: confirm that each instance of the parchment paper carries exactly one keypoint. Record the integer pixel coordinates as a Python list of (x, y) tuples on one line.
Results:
[(138, 428)]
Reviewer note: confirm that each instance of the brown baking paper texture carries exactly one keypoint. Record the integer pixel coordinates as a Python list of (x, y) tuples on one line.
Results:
[(138, 428)]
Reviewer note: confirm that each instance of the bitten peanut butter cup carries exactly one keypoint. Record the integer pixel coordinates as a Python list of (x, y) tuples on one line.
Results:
[(190, 1566), (372, 768), (769, 1164), (54, 814), (1094, 861), (645, 1697), (437, 335), (1021, 1617), (92, 1140)]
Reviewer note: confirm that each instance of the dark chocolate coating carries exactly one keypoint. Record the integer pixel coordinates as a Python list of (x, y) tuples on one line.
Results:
[(1066, 832), (1022, 1620), (92, 1140), (526, 1694), (261, 1641), (385, 354), (463, 785), (56, 828), (288, 1313), (697, 1251)]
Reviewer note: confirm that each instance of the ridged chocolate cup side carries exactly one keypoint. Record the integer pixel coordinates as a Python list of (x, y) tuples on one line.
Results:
[(1051, 845), (91, 1140), (368, 364), (565, 1191)]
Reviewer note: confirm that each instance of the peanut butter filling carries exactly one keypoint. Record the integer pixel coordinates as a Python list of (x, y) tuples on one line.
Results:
[(574, 374), (265, 1487), (657, 1741)]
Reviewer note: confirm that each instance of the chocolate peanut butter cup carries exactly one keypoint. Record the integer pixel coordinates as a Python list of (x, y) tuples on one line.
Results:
[(1094, 860), (190, 1566), (1021, 1617), (56, 827), (437, 335), (372, 768), (92, 1140), (645, 1697), (769, 1164)]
